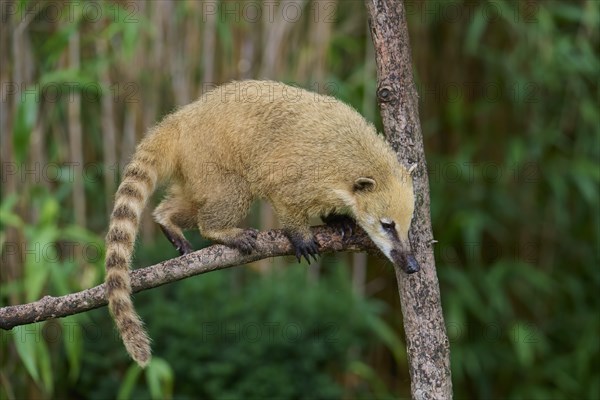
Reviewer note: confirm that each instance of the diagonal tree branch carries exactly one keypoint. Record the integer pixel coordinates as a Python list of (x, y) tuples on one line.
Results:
[(268, 244)]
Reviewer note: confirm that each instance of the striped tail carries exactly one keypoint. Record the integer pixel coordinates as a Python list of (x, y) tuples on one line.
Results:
[(139, 180)]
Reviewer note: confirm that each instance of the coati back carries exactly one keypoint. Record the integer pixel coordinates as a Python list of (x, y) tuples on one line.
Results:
[(307, 154)]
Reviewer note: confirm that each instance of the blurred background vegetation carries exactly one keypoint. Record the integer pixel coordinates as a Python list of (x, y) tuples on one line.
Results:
[(509, 108)]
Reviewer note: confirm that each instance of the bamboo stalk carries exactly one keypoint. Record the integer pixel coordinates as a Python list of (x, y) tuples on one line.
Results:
[(208, 47), (12, 261), (276, 32), (75, 136), (108, 129)]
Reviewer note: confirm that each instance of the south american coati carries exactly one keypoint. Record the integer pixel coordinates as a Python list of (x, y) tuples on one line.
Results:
[(307, 154)]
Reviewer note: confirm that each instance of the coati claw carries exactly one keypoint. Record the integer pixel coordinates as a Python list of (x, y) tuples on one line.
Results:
[(306, 250), (246, 241), (343, 224), (180, 243), (253, 233), (304, 247), (184, 247)]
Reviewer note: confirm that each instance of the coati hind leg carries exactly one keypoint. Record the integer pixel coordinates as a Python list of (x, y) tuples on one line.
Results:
[(296, 227), (223, 209), (173, 214)]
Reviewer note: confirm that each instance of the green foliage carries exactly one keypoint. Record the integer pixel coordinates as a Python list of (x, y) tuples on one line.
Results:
[(158, 374), (55, 260), (515, 206), (277, 336)]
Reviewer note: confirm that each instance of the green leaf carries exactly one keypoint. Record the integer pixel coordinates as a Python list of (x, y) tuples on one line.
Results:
[(368, 374), (40, 250), (130, 39), (73, 342), (585, 174), (49, 211), (159, 377), (7, 215), (475, 32), (36, 270), (128, 384), (389, 337), (25, 338), (523, 341), (77, 233), (73, 79), (45, 364), (26, 116)]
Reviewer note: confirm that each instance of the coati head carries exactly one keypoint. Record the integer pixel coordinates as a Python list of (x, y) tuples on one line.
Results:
[(384, 209)]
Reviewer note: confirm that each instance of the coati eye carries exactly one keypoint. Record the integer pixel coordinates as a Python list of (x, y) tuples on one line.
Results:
[(388, 225)]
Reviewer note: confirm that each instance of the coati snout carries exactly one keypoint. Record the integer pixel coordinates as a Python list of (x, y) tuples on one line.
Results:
[(383, 206)]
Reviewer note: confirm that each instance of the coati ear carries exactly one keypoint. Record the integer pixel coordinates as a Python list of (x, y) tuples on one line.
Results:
[(364, 184)]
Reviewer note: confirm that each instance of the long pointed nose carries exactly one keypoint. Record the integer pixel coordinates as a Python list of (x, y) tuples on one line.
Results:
[(411, 265), (405, 260)]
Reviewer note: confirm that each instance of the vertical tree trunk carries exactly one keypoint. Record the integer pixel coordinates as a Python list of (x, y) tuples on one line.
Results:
[(427, 342)]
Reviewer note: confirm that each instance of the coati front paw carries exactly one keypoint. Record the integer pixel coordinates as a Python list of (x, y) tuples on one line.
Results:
[(343, 224), (245, 241), (304, 247)]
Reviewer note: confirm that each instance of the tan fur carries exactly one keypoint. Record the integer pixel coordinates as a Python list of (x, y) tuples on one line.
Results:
[(305, 153)]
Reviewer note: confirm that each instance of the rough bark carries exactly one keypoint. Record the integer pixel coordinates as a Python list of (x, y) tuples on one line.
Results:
[(269, 244), (427, 341)]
